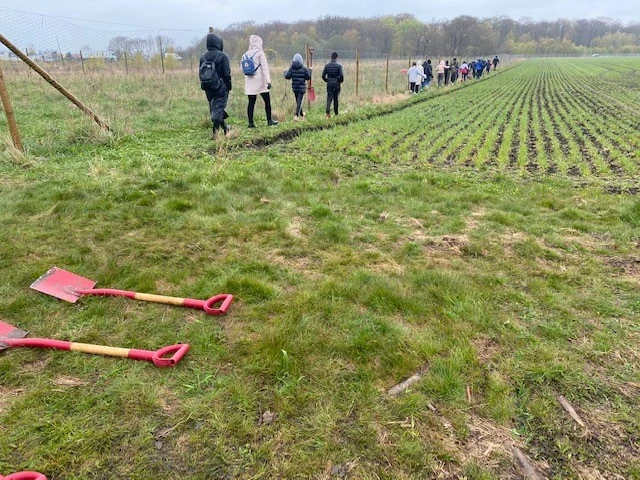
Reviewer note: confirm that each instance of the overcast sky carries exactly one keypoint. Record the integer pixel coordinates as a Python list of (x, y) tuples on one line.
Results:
[(200, 14)]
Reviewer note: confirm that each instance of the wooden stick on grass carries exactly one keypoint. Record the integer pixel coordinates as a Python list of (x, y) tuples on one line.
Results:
[(569, 409)]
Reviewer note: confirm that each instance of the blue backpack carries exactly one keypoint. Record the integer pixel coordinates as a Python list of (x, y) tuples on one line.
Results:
[(248, 65)]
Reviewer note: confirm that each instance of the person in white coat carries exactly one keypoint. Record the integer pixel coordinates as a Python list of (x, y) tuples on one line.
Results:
[(260, 82), (416, 75)]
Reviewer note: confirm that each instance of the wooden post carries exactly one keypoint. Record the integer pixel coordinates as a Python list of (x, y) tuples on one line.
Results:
[(408, 82), (306, 47), (161, 54), (126, 64), (52, 82), (82, 62), (8, 110), (357, 71), (386, 80), (191, 61)]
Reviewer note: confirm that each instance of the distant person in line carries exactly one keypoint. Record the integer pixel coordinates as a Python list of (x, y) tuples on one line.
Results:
[(428, 73), (447, 73), (259, 83), (464, 71), (415, 78), (487, 65), (454, 70), (440, 69), (299, 75), (479, 67), (472, 68), (495, 63), (217, 95), (333, 77)]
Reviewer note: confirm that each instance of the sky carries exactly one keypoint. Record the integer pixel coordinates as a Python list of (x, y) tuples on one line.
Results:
[(200, 14)]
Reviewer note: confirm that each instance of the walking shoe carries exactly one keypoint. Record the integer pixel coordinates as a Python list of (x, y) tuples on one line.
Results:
[(252, 125), (272, 122), (295, 118), (328, 116)]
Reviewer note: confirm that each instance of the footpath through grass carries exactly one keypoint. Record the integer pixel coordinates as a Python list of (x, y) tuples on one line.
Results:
[(359, 256)]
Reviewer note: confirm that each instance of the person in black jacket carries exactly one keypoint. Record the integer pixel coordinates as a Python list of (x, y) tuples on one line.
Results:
[(428, 71), (218, 98), (333, 76), (298, 74)]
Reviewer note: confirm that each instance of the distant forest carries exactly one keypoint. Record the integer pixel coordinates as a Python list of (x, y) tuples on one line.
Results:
[(404, 35)]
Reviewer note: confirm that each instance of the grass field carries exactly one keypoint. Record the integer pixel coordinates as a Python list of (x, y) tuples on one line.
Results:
[(484, 238)]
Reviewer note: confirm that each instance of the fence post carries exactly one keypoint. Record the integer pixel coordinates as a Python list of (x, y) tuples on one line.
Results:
[(126, 64), (82, 62), (386, 80), (357, 71), (161, 55), (8, 110), (4, 40)]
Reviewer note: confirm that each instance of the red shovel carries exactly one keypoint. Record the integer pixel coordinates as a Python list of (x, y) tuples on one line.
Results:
[(24, 476), (70, 287), (11, 336)]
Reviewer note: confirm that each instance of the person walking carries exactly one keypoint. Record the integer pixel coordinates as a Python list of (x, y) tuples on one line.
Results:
[(495, 63), (428, 74), (464, 71), (299, 75), (487, 65), (333, 77), (257, 79), (215, 80), (440, 70), (479, 67), (415, 75)]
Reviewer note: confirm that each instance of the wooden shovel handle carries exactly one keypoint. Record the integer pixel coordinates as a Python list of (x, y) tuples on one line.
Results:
[(158, 358), (206, 305)]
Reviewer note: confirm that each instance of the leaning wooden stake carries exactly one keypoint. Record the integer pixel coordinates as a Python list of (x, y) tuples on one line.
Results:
[(8, 110), (52, 82)]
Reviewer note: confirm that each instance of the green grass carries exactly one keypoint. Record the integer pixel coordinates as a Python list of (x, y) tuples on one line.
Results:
[(359, 253)]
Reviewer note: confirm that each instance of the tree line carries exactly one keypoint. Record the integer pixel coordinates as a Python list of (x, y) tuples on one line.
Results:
[(404, 35)]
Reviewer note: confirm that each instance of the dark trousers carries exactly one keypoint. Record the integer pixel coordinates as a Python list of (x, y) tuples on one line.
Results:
[(217, 104), (440, 79), (252, 105), (299, 97), (333, 92)]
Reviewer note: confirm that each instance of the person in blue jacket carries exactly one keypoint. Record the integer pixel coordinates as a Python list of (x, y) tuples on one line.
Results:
[(479, 66), (299, 75)]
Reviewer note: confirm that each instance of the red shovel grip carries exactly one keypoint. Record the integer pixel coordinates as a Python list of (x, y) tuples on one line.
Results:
[(225, 298), (24, 476), (160, 360), (159, 357)]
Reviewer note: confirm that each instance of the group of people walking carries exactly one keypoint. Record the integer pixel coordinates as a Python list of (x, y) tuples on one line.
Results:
[(215, 80), (421, 75)]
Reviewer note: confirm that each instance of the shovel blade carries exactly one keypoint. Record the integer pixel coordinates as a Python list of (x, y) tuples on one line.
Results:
[(62, 284), (9, 331)]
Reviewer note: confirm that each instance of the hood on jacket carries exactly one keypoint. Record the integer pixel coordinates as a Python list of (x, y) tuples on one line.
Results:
[(297, 62), (255, 42), (214, 42)]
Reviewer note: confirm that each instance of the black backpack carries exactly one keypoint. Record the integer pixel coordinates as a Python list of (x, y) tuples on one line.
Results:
[(209, 78)]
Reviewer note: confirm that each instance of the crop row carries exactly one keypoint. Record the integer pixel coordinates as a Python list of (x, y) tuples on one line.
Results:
[(545, 117)]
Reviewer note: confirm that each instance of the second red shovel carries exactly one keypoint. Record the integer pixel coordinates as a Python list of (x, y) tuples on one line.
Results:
[(68, 286)]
